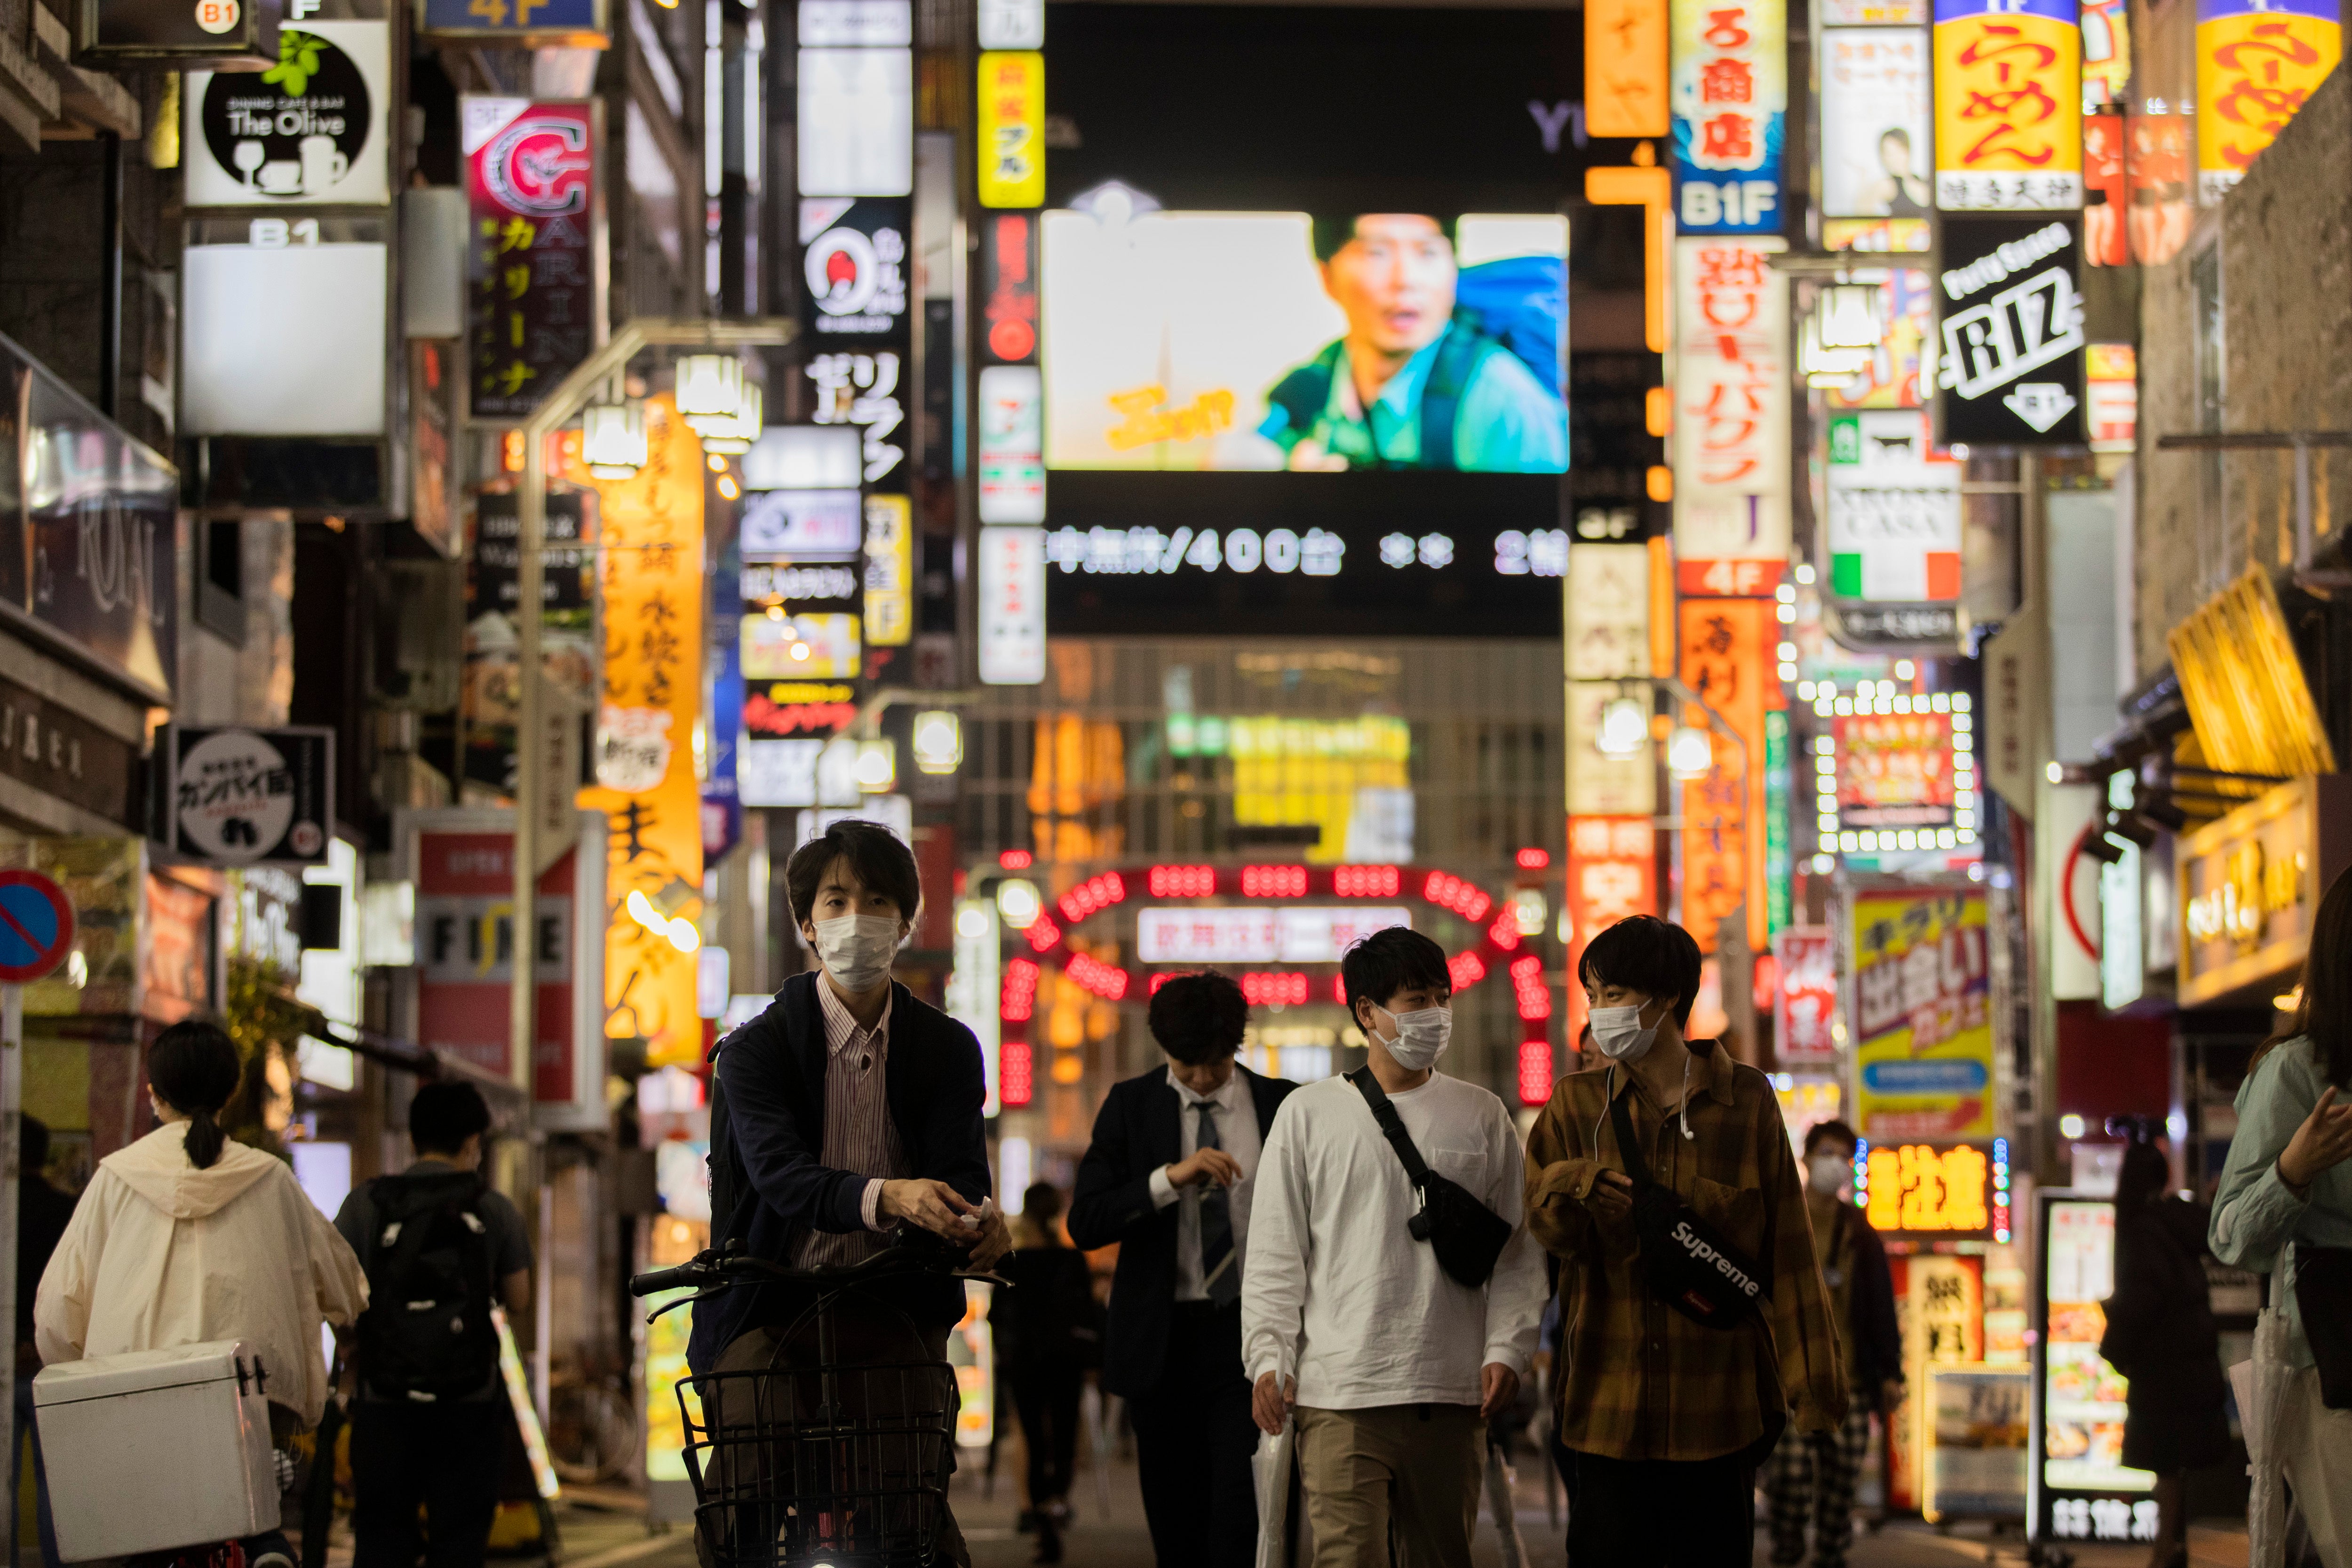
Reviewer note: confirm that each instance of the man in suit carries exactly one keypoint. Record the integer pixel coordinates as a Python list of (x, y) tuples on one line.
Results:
[(846, 1113), (1168, 1178)]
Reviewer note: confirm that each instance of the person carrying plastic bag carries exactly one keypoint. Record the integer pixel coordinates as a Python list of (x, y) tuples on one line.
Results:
[(2284, 1207)]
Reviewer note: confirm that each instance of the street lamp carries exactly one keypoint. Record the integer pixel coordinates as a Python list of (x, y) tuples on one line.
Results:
[(1849, 316), (939, 742), (710, 386), (1624, 726), (736, 432), (612, 438), (1689, 752)]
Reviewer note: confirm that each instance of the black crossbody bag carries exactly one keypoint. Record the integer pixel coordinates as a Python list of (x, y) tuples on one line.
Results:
[(1691, 1265), (2323, 1298), (1467, 1236)]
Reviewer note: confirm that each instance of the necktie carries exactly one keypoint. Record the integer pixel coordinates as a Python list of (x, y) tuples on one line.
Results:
[(1219, 1276)]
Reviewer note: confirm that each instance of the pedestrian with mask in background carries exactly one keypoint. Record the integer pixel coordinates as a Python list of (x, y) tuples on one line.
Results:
[(1811, 1476)]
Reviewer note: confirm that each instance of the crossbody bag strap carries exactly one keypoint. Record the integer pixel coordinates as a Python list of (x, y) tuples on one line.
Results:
[(1416, 1169), (1628, 1146)]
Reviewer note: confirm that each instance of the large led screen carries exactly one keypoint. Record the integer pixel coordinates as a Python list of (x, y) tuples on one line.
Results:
[(1259, 340)]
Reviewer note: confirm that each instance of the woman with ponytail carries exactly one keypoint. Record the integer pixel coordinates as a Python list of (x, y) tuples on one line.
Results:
[(186, 1236)]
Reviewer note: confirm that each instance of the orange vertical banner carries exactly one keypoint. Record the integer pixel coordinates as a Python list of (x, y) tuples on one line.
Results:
[(652, 579), (1726, 662), (1625, 68)]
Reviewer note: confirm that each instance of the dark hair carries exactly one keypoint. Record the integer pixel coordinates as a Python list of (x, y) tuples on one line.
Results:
[(1895, 133), (444, 1114), (1042, 1201), (1645, 954), (2143, 1177), (875, 857), (1199, 1017), (2326, 1011), (32, 1143), (1394, 959), (192, 1067), (1334, 230), (1822, 1131)]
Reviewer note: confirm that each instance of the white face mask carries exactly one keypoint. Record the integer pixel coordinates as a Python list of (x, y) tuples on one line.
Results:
[(857, 949), (1422, 1036), (1828, 1173), (1619, 1033)]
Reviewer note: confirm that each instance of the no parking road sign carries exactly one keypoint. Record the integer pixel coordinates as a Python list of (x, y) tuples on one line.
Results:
[(36, 926)]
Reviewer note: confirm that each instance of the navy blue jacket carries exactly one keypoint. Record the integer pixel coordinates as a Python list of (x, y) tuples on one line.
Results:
[(768, 1180), (1139, 1130)]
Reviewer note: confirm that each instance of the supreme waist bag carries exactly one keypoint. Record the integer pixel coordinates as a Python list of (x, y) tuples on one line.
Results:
[(1691, 1265)]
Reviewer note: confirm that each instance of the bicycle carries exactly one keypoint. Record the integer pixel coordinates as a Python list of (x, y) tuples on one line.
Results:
[(836, 1454)]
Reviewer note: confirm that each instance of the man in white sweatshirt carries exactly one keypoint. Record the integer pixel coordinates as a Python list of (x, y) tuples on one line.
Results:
[(1390, 1365)]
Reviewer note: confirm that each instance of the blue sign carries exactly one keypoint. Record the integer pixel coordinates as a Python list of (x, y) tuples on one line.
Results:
[(1729, 93), (36, 926), (1923, 1078), (505, 19)]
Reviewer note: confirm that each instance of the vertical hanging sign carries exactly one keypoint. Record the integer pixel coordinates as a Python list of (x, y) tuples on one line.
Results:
[(1724, 648), (2008, 105), (1731, 417), (1625, 68), (1730, 97), (1012, 129), (535, 262), (2257, 61), (653, 585)]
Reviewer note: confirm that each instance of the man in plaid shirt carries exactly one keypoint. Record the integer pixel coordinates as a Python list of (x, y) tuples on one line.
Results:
[(1664, 1420)]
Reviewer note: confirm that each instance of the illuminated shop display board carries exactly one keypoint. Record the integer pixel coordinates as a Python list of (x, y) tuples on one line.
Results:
[(2081, 1490)]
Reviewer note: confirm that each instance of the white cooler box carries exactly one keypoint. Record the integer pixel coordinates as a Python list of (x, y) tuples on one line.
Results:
[(150, 1450)]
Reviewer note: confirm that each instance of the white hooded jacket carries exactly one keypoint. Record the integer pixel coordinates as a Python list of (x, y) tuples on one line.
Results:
[(162, 1253)]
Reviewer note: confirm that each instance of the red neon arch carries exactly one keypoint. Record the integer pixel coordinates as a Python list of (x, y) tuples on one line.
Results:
[(1496, 950)]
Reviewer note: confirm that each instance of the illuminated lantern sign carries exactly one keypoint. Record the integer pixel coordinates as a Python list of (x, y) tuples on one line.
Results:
[(1013, 129), (1731, 414), (1723, 643), (2009, 109), (2256, 63), (1807, 1001), (1942, 1191), (535, 269), (1730, 96), (1008, 288)]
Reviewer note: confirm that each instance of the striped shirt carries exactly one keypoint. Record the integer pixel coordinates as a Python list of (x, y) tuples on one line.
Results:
[(1638, 1380), (858, 1133)]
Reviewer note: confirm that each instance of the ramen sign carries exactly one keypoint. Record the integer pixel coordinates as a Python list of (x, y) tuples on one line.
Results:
[(2250, 884)]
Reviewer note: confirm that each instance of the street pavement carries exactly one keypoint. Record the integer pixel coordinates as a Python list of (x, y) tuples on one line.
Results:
[(607, 1530)]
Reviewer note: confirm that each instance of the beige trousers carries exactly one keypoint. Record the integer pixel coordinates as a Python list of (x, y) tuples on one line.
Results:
[(1417, 1464)]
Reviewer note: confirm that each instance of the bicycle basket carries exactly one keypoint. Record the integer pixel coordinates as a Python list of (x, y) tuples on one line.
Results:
[(837, 1451)]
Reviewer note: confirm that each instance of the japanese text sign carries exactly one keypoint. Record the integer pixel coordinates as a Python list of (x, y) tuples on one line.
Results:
[(889, 571), (510, 22), (1612, 872), (1726, 661), (2256, 64), (1929, 1189), (1625, 68), (241, 796), (1011, 137), (1731, 416), (1602, 783), (1919, 1013), (1607, 605), (2009, 362), (2008, 105), (1008, 288), (646, 786), (1012, 606), (854, 261), (1806, 1003), (1895, 770), (535, 261), (1730, 98)]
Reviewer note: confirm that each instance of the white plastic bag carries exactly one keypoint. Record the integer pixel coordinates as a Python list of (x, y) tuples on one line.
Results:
[(2263, 1387), (1272, 1468)]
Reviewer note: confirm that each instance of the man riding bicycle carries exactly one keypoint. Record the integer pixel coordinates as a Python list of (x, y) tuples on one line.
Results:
[(847, 1111)]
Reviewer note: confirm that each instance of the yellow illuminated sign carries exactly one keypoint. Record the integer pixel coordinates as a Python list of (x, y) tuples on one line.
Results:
[(2244, 685), (1013, 129), (1928, 1187), (889, 571), (654, 592), (2256, 64)]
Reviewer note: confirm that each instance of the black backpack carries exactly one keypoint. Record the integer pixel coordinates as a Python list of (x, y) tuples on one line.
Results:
[(427, 1334)]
